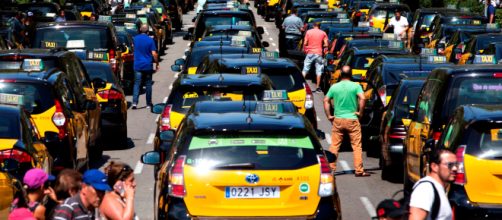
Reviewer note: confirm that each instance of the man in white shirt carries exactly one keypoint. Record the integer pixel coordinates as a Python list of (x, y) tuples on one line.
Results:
[(400, 25), (424, 202)]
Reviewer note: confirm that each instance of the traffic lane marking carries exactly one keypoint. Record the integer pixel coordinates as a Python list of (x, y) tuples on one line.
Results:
[(150, 138), (368, 206), (138, 168)]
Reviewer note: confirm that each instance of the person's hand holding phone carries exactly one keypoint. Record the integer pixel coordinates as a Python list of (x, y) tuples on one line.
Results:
[(129, 192)]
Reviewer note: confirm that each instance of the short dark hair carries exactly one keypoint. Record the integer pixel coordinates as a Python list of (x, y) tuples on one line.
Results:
[(294, 11), (435, 156), (317, 24), (397, 10)]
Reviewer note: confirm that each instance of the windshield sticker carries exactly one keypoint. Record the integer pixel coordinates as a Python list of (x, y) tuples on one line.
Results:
[(479, 87), (262, 142), (496, 134)]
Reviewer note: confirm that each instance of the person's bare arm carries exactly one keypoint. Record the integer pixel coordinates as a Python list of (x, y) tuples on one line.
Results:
[(362, 103), (156, 59), (112, 209), (417, 214), (327, 108), (39, 212)]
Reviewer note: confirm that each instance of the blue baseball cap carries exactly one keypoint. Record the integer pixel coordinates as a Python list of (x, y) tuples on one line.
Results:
[(96, 179)]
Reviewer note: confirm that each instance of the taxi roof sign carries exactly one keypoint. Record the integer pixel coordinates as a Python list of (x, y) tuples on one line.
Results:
[(344, 20), (105, 18), (267, 108), (256, 50), (388, 36), (246, 23), (50, 14), (436, 59), (373, 29), (33, 65), (396, 44), (278, 95), (484, 59), (245, 33), (130, 16), (140, 12), (429, 52), (336, 9), (75, 44), (238, 42), (341, 15), (492, 26), (250, 70), (364, 24), (11, 99), (270, 54), (130, 25)]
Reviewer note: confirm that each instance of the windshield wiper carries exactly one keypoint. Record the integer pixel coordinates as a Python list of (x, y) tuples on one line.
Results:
[(236, 166)]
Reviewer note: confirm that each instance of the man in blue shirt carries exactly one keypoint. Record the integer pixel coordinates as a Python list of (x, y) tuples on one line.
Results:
[(145, 52)]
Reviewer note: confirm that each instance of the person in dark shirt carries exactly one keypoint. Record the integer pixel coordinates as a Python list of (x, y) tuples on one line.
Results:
[(82, 205)]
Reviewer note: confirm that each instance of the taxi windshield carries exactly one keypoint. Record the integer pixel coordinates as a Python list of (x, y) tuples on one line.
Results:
[(93, 38), (485, 141), (427, 20), (481, 90), (9, 127), (37, 98), (251, 151), (184, 98)]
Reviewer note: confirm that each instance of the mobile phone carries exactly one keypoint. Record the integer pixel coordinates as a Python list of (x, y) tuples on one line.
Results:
[(119, 186)]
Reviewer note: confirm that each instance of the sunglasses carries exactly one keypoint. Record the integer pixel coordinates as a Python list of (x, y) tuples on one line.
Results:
[(450, 165), (125, 169)]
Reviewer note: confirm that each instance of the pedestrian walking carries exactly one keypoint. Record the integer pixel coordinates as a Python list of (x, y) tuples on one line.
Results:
[(486, 3), (315, 44), (145, 53), (82, 205), (390, 209), (347, 98), (293, 24), (490, 11), (400, 25), (119, 203), (61, 16), (428, 199), (36, 184)]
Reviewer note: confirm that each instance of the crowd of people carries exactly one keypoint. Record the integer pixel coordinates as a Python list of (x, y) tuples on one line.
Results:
[(72, 195)]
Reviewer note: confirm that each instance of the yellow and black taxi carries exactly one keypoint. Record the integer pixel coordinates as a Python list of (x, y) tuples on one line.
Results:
[(111, 99), (81, 99), (19, 138), (155, 30), (420, 25), (359, 59), (494, 49), (381, 13), (444, 90), (257, 163), (474, 134), (283, 72), (358, 10), (195, 56), (207, 18), (97, 39), (126, 39), (340, 38), (476, 45), (382, 78), (392, 130), (10, 188), (42, 11), (127, 20), (175, 13), (236, 30), (451, 18)]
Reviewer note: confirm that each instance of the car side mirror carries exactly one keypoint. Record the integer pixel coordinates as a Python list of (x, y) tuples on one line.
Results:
[(176, 68), (151, 158), (98, 83), (260, 30), (265, 44), (330, 156), (158, 108), (51, 137), (179, 61), (90, 105)]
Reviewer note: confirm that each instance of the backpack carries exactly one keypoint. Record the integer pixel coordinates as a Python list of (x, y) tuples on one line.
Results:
[(436, 204)]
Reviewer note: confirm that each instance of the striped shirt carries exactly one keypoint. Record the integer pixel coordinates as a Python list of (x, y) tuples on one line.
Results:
[(72, 209)]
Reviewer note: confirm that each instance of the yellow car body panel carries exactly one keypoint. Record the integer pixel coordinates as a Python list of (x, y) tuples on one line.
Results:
[(272, 2), (85, 13), (206, 192), (448, 51), (108, 87), (464, 58), (361, 72), (7, 194), (333, 4), (414, 146), (379, 23), (192, 70), (43, 121), (298, 98), (484, 184), (6, 144), (175, 119)]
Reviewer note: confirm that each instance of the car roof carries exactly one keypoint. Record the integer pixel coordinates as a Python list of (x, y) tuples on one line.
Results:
[(21, 75), (216, 49), (95, 63), (487, 35), (230, 27), (390, 5), (236, 106), (473, 113), (379, 49), (469, 69), (35, 52), (275, 62), (220, 80), (222, 11), (75, 23), (437, 10)]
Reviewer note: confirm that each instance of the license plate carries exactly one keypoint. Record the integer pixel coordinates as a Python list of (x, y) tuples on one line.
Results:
[(256, 192)]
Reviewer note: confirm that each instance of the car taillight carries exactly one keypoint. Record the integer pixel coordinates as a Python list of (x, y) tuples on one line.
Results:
[(382, 93), (371, 21), (18, 155), (110, 94), (497, 75), (309, 98), (397, 136), (176, 179), (129, 57), (436, 135), (326, 187), (59, 119), (15, 57), (165, 121), (113, 61), (460, 177)]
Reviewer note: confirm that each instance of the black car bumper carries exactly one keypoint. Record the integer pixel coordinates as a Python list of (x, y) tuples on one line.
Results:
[(463, 208)]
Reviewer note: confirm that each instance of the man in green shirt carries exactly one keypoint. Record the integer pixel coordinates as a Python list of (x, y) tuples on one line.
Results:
[(345, 97)]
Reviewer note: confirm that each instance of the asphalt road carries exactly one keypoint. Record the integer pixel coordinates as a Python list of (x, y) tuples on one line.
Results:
[(359, 195)]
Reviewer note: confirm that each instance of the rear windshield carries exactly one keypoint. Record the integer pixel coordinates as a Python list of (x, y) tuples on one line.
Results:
[(184, 98), (9, 126), (251, 151), (40, 10), (103, 72), (97, 39), (85, 7), (480, 90), (289, 79), (408, 97), (485, 141), (482, 43), (224, 20), (427, 20), (37, 98), (379, 13), (362, 62), (470, 21)]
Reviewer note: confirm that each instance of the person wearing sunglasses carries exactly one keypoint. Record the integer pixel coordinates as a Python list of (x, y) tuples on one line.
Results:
[(428, 199), (119, 203)]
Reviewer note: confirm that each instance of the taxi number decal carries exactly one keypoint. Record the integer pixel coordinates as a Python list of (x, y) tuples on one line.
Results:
[(49, 44)]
